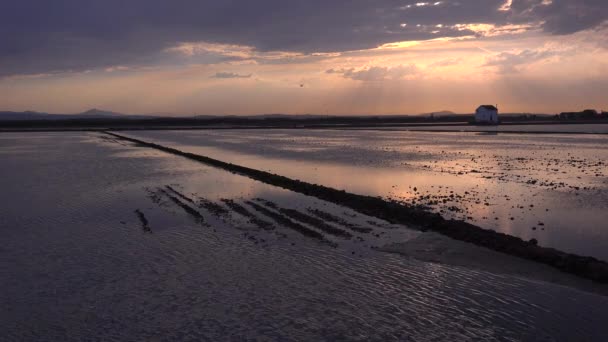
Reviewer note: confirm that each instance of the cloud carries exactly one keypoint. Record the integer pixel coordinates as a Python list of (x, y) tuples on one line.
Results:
[(446, 62), (73, 35), (560, 16), (229, 75), (511, 62), (376, 73)]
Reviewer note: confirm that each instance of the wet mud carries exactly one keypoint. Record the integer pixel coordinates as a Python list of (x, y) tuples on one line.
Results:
[(338, 220), (307, 219), (286, 222), (260, 223), (188, 209), (143, 220), (212, 207), (401, 213), (112, 140), (201, 202), (179, 194)]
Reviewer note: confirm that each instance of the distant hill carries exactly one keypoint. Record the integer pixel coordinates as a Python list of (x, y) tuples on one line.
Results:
[(98, 114), (104, 114), (89, 114)]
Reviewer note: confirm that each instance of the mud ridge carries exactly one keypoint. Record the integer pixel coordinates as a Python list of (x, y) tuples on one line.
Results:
[(267, 203), (192, 212), (201, 202), (244, 212), (399, 213), (144, 221), (179, 194), (338, 220), (212, 207), (310, 220), (112, 140), (155, 196), (289, 223)]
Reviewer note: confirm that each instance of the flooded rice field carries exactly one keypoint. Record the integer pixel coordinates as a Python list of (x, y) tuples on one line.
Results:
[(106, 240), (548, 128), (550, 187)]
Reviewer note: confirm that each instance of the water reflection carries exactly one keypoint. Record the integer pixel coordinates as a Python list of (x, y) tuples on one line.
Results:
[(77, 265), (556, 128), (553, 188)]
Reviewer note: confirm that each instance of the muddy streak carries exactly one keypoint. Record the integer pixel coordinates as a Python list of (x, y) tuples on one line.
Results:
[(112, 140), (338, 220), (280, 219), (400, 213), (267, 203), (315, 222), (212, 207), (182, 196), (192, 212), (244, 212), (201, 202), (155, 196), (310, 220), (144, 221)]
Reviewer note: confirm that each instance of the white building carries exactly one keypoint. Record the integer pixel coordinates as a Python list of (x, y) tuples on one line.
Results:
[(486, 114)]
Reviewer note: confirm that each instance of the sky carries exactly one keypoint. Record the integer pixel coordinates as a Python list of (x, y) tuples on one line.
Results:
[(338, 57)]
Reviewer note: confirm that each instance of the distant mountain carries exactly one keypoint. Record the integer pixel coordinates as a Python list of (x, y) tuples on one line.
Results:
[(89, 114), (97, 113), (104, 114)]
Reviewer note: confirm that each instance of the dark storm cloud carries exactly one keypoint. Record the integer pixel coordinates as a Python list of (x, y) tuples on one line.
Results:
[(561, 16), (38, 36)]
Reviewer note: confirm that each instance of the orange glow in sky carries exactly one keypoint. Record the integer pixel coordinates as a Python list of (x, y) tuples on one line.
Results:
[(519, 66)]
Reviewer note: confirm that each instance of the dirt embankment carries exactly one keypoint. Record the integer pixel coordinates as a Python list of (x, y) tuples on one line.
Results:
[(400, 213)]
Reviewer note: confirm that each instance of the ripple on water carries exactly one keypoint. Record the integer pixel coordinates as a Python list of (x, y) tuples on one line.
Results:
[(76, 272)]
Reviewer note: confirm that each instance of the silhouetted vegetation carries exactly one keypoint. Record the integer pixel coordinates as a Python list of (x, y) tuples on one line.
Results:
[(285, 121), (587, 114)]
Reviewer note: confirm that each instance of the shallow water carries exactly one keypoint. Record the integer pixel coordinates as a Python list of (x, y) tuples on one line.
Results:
[(77, 265), (555, 128), (553, 187)]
